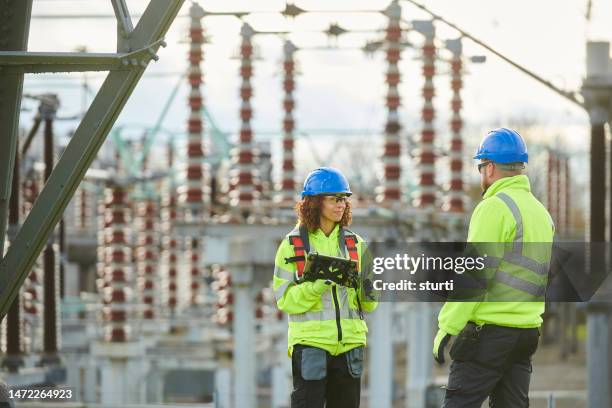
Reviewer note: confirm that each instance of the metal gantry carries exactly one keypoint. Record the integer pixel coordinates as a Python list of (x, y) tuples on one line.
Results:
[(136, 48)]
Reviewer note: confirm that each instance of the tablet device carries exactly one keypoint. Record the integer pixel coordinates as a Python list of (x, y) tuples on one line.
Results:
[(340, 270)]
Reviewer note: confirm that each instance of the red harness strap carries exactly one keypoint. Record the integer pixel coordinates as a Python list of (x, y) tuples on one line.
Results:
[(298, 248), (351, 246)]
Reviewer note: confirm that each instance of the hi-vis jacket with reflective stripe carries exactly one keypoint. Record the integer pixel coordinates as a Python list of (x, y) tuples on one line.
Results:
[(330, 321), (510, 214)]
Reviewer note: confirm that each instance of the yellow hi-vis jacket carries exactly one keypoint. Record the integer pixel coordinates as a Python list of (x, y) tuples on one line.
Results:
[(320, 315), (510, 214)]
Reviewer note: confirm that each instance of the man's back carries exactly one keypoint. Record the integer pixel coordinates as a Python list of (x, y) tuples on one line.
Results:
[(510, 214)]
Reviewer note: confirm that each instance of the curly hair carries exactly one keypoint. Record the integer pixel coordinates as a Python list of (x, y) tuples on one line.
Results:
[(308, 211)]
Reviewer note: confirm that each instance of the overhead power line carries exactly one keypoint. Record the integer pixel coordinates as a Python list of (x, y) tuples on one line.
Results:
[(571, 95)]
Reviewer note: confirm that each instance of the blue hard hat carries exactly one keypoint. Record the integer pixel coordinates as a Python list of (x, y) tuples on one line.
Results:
[(503, 146), (326, 180)]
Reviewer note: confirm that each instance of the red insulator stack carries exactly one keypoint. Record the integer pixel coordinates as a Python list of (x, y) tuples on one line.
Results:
[(287, 187), (260, 305), (82, 209), (31, 190), (115, 259), (390, 191), (146, 255), (33, 288), (193, 254), (454, 198), (560, 193), (558, 190), (169, 217), (425, 195), (567, 219), (552, 193), (243, 177), (195, 193), (222, 286)]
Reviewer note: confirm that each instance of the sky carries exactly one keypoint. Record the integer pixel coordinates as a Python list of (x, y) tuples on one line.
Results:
[(343, 89)]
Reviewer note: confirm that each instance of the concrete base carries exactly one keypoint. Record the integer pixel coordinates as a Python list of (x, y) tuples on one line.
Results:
[(380, 357), (223, 387), (123, 372), (154, 327), (26, 377), (419, 354)]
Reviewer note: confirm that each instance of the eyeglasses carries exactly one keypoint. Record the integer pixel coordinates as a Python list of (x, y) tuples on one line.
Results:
[(484, 164), (339, 198)]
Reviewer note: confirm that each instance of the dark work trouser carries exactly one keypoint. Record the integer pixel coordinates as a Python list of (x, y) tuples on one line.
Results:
[(497, 365), (322, 380)]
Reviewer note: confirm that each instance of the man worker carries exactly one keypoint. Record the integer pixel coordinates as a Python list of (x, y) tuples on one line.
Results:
[(327, 332), (496, 339)]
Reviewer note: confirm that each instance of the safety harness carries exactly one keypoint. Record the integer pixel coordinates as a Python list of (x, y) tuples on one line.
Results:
[(298, 238)]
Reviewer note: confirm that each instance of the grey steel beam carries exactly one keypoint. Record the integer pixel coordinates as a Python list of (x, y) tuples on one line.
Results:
[(38, 62), (80, 152), (14, 26), (124, 24), (35, 62), (369, 225)]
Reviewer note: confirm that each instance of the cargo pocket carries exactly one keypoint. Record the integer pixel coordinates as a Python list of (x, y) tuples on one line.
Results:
[(354, 362), (314, 363), (454, 380), (450, 391)]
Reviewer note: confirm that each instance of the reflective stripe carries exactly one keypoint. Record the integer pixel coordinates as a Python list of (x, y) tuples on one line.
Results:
[(491, 261), (353, 314), (518, 260), (283, 273), (326, 300), (345, 310), (307, 316), (527, 263), (329, 312), (320, 316), (516, 257), (280, 291), (520, 284), (516, 213)]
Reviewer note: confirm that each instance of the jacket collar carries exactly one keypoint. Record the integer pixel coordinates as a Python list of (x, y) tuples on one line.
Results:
[(319, 234), (520, 182)]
